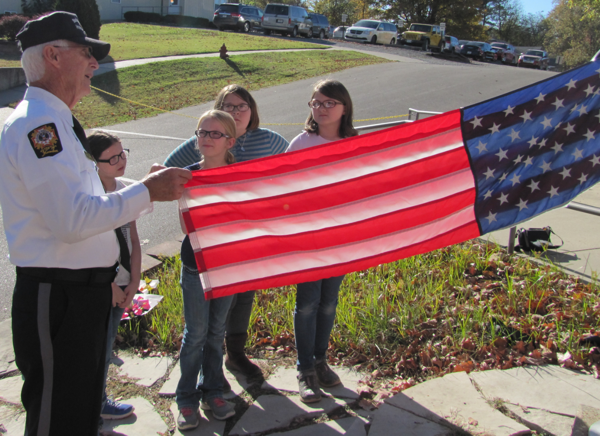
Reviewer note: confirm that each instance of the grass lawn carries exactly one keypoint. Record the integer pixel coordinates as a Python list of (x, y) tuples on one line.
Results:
[(140, 41), (467, 307), (176, 84)]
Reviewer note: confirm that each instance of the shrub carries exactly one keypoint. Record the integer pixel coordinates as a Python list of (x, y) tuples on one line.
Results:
[(87, 12), (142, 17), (10, 25)]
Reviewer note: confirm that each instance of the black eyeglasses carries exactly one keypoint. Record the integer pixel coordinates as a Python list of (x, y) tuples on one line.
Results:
[(232, 107), (115, 159), (328, 104), (89, 53), (214, 134)]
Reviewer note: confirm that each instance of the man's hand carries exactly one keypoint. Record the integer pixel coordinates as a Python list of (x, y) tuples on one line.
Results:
[(166, 184)]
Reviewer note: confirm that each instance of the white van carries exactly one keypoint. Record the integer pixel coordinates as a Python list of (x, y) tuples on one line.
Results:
[(373, 31)]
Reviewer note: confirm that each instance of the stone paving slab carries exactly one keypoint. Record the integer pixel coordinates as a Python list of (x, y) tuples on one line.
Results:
[(144, 421), (543, 421), (167, 249), (10, 389), (331, 428), (208, 426), (284, 379), (453, 400), (272, 412), (12, 421), (148, 369), (149, 262), (388, 419), (170, 385), (586, 417), (7, 354), (358, 428), (537, 387)]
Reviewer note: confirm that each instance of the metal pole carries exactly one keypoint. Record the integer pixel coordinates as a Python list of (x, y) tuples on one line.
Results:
[(584, 208), (511, 240), (383, 125)]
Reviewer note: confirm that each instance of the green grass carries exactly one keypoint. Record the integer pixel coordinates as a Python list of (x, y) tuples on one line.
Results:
[(466, 307), (138, 41), (173, 85), (141, 41)]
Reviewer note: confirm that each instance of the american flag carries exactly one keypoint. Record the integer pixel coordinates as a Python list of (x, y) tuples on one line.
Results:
[(376, 198)]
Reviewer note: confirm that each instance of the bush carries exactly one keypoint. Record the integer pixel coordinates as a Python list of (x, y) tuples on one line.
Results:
[(87, 12), (10, 25), (142, 17)]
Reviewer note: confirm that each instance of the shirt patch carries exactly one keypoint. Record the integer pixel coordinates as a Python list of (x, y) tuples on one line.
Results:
[(45, 141)]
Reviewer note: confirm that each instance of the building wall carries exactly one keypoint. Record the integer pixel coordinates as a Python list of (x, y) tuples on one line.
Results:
[(10, 6), (110, 10), (198, 8)]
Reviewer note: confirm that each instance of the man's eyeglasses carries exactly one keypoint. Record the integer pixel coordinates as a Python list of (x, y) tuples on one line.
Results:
[(88, 52), (233, 107), (328, 104), (214, 134), (115, 159)]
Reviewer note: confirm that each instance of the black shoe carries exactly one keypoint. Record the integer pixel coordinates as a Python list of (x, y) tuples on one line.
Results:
[(327, 378), (308, 386)]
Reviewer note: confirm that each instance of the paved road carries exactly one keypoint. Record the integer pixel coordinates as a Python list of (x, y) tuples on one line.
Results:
[(414, 80)]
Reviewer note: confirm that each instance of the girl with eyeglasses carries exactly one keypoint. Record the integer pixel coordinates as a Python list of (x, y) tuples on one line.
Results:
[(330, 119), (252, 142), (111, 161), (202, 345)]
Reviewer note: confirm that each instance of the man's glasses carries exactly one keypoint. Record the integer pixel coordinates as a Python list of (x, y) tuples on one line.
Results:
[(233, 107), (88, 52), (214, 134), (328, 104), (115, 159)]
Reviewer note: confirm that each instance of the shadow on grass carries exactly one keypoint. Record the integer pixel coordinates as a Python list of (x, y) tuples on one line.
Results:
[(234, 66), (108, 82)]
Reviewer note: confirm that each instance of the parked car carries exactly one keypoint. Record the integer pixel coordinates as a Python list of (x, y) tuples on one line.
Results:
[(488, 54), (507, 53), (320, 25), (424, 35), (450, 44), (534, 59), (461, 43), (236, 16), (373, 31), (287, 20), (472, 50)]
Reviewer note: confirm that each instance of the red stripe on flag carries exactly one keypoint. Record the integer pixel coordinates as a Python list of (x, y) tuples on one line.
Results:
[(453, 236)]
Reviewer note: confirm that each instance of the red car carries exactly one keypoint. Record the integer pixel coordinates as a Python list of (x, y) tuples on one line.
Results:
[(507, 53)]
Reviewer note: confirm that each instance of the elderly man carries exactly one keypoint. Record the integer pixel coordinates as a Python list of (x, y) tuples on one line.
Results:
[(60, 225)]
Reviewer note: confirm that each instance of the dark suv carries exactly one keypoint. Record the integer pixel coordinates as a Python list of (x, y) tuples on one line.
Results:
[(238, 17), (287, 20), (320, 25)]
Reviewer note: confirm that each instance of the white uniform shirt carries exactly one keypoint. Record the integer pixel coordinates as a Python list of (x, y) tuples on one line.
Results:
[(54, 208)]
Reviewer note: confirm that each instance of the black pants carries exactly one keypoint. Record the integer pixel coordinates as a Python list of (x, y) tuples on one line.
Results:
[(238, 318), (59, 337)]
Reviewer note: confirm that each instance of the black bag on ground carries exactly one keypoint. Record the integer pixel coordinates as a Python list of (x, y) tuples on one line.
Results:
[(536, 239)]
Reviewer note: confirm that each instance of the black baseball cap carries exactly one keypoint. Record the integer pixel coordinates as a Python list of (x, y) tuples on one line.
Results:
[(59, 25)]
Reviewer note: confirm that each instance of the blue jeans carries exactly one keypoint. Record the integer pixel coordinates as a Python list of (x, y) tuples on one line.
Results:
[(201, 356), (314, 315), (113, 328)]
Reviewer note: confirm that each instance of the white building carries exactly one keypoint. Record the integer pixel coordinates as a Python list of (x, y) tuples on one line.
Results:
[(113, 10)]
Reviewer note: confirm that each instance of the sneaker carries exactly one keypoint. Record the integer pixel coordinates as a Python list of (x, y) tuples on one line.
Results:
[(308, 386), (115, 410), (188, 418), (327, 378), (220, 408)]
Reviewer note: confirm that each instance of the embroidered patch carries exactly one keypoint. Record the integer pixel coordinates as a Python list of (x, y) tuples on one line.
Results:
[(45, 140)]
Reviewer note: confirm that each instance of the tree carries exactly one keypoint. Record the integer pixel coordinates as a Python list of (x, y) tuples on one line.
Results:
[(87, 12), (590, 8), (37, 7), (572, 34)]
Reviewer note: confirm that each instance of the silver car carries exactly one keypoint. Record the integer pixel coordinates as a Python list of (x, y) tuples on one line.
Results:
[(287, 20)]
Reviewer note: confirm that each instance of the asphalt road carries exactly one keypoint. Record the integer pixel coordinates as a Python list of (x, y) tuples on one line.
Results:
[(415, 80)]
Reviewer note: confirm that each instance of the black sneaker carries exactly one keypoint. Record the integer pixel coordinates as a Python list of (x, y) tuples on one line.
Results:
[(188, 418), (327, 378), (308, 386)]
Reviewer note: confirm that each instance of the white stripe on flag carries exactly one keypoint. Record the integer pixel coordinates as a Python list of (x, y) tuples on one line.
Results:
[(306, 260), (324, 175), (344, 214)]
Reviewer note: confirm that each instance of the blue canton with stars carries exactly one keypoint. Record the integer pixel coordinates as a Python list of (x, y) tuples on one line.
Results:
[(536, 148)]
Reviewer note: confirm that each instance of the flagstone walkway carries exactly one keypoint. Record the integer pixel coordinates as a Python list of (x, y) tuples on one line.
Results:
[(546, 399)]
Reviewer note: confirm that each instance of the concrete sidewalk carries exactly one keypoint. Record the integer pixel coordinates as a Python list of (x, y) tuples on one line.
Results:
[(493, 403)]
